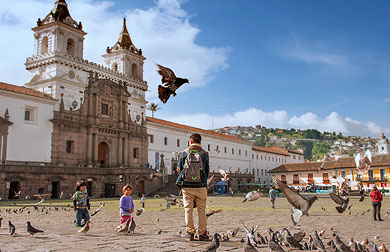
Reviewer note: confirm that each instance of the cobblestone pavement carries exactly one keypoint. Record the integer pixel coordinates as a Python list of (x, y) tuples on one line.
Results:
[(61, 234)]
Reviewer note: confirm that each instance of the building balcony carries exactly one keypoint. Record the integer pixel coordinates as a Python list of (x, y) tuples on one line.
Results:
[(375, 180)]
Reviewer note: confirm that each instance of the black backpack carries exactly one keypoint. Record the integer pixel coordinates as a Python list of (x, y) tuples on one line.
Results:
[(193, 166)]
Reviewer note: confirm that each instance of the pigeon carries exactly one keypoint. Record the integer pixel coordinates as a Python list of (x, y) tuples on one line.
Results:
[(85, 229), (32, 230), (123, 227), (342, 201), (361, 196), (305, 246), (301, 205), (251, 233), (321, 233), (139, 211), (171, 82), (159, 232), (224, 174), (261, 239), (383, 248), (252, 196), (373, 247), (214, 244), (248, 247), (299, 235), (213, 212), (349, 207), (291, 241), (318, 243), (98, 209), (132, 226), (17, 194), (274, 245), (1, 219), (234, 232), (341, 245), (41, 201), (12, 228), (209, 180), (334, 248)]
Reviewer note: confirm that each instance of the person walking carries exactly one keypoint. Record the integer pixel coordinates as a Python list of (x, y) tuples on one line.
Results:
[(377, 198), (272, 196), (194, 171)]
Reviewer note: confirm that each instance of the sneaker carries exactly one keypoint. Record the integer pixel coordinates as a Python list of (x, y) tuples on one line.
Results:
[(204, 237), (189, 237)]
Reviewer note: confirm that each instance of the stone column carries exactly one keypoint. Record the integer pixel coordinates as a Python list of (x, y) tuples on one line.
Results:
[(95, 149), (90, 105), (120, 151), (89, 148), (4, 153), (126, 143), (1, 138)]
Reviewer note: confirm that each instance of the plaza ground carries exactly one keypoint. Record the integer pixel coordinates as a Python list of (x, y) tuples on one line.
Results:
[(61, 234)]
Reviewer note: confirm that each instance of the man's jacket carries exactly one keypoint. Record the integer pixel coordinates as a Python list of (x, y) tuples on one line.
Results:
[(205, 173)]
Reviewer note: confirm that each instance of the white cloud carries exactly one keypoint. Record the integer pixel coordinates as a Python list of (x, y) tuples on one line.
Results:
[(163, 31), (253, 116)]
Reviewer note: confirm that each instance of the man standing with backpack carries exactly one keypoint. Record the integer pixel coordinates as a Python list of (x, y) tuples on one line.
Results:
[(194, 171)]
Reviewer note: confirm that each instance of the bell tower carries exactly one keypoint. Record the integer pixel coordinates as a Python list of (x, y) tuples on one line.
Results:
[(55, 64), (124, 57)]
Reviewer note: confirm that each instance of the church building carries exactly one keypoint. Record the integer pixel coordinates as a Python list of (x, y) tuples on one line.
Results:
[(77, 119)]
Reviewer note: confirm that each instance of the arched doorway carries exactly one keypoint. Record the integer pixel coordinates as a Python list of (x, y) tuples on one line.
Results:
[(103, 154)]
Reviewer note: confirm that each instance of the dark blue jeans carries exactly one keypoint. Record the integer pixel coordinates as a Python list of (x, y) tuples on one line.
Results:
[(81, 214)]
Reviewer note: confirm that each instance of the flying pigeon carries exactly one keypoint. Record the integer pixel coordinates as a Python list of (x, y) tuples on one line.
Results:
[(301, 205), (139, 211), (209, 180), (318, 243), (12, 228), (214, 244), (261, 239), (98, 209), (32, 230), (171, 82), (361, 196), (224, 174), (41, 201), (252, 196), (248, 247), (250, 233), (123, 227), (132, 226), (62, 194), (342, 201), (85, 229)]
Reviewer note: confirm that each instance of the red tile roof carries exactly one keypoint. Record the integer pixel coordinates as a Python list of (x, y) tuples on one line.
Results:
[(299, 152), (189, 128), (24, 90), (342, 163), (274, 150)]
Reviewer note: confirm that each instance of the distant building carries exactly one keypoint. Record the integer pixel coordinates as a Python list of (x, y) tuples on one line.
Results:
[(316, 173), (383, 145)]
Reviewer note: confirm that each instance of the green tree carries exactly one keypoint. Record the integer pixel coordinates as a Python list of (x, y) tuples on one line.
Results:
[(153, 107), (319, 150)]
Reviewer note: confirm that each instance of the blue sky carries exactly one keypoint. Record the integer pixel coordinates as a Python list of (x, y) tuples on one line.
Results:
[(301, 64)]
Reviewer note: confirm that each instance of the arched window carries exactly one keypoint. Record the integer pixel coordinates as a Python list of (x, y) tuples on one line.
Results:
[(45, 45), (70, 47), (134, 70), (115, 67)]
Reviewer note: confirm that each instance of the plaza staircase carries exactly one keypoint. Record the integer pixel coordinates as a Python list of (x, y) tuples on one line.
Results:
[(168, 188)]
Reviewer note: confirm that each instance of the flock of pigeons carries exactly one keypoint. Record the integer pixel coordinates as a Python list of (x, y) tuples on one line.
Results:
[(284, 240)]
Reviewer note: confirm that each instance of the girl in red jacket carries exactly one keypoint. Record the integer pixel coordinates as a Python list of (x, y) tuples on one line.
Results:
[(376, 202)]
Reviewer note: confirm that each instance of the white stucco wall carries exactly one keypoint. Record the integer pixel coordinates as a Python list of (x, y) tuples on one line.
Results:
[(28, 141), (262, 162), (227, 161)]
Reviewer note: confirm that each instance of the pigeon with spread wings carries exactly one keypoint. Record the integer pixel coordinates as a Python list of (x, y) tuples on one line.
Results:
[(171, 82), (342, 201), (301, 205), (224, 174)]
